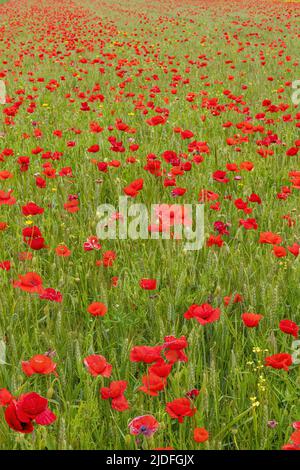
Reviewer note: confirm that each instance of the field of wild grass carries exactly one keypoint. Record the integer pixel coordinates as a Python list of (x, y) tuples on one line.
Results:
[(167, 102)]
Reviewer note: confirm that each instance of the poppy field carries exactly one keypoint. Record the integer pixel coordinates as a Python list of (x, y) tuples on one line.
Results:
[(137, 342)]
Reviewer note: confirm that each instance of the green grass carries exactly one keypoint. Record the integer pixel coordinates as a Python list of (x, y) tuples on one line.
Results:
[(221, 361)]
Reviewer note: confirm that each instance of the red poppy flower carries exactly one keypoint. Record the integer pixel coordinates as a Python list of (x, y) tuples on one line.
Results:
[(21, 413), (221, 228), (204, 313), (249, 224), (133, 188), (279, 361), (294, 442), (13, 421), (51, 294), (94, 148), (161, 368), (180, 408), (291, 447), (32, 406), (32, 236), (241, 205), (5, 265), (7, 198), (40, 182), (63, 250), (254, 198), (174, 348), (200, 435), (108, 258), (145, 425), (91, 244), (147, 354), (220, 176), (32, 209), (295, 438), (5, 397), (294, 249), (251, 320), (178, 192), (215, 240), (155, 120), (279, 251), (191, 394), (72, 206), (148, 284), (5, 175), (30, 282), (289, 327), (97, 365), (270, 238), (39, 364), (187, 134), (115, 392), (3, 226), (152, 384), (97, 309), (237, 298)]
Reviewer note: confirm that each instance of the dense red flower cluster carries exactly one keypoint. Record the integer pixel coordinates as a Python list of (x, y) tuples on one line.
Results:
[(22, 413)]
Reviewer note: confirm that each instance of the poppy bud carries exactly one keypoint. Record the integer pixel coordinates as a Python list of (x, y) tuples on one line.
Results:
[(128, 441), (50, 393), (289, 327)]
